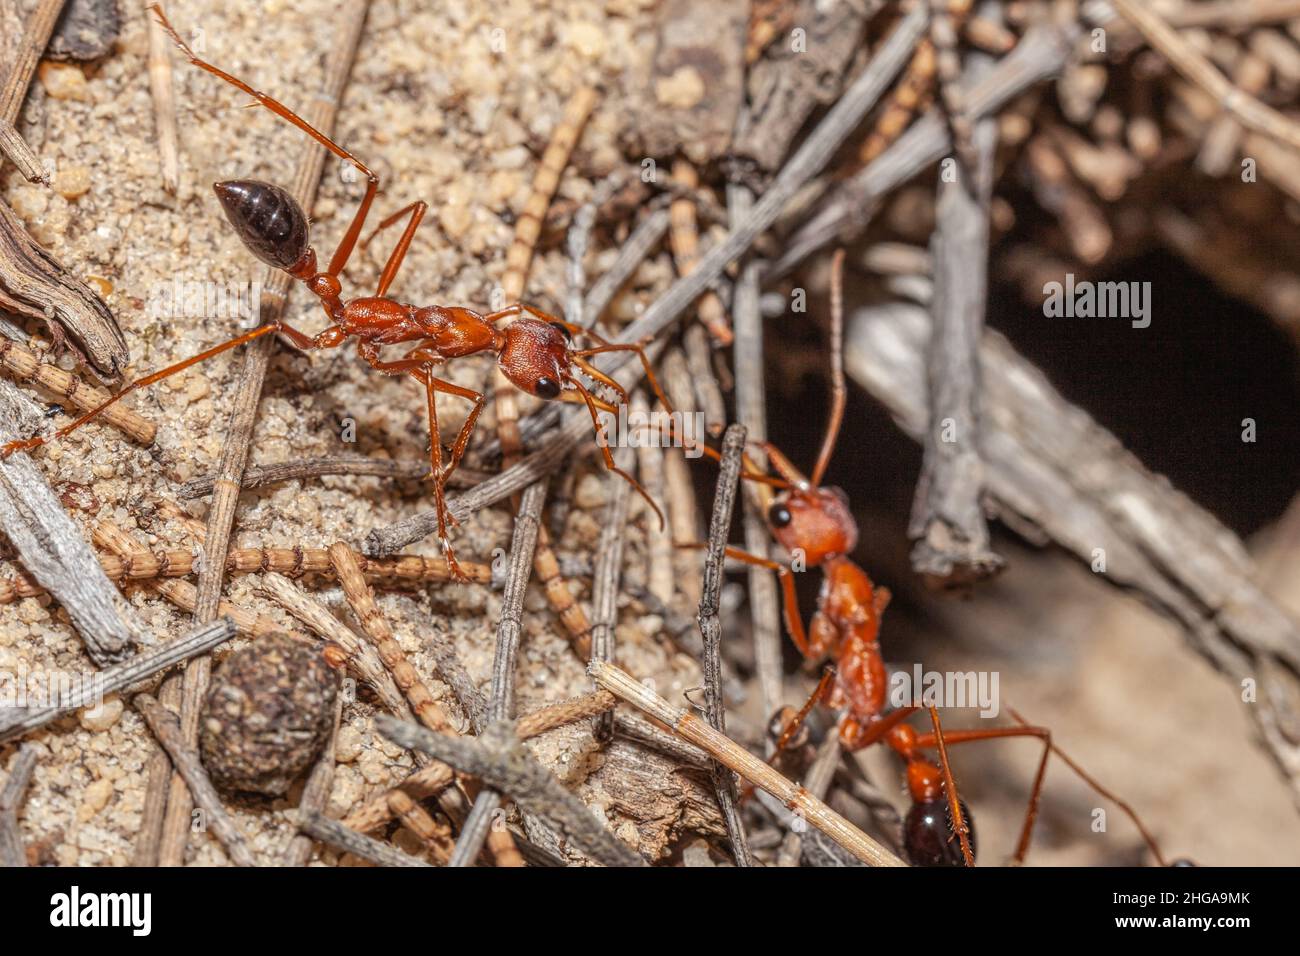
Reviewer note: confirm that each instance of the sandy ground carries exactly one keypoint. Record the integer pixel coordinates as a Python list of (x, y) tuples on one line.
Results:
[(442, 117)]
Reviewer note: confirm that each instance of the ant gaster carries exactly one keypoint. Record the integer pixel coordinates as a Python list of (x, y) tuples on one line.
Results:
[(534, 351)]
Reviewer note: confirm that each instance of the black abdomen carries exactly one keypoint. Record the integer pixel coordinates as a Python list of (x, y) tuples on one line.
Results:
[(268, 219), (928, 839)]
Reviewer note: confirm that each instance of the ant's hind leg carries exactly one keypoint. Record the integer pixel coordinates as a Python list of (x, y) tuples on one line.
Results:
[(329, 338), (416, 210), (344, 250), (418, 364), (445, 519)]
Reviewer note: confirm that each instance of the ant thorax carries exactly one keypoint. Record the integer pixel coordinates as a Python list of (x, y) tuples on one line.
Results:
[(534, 356), (816, 522)]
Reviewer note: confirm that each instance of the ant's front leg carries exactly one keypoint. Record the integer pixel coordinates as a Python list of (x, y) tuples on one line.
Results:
[(417, 364)]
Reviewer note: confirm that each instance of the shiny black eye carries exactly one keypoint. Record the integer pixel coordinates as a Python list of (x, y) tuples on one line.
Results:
[(547, 388), (562, 330), (779, 515)]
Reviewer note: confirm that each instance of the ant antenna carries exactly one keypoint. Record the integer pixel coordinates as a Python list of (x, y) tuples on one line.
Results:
[(839, 394)]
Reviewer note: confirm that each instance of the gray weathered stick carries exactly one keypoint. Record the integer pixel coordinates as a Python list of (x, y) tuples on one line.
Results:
[(12, 852), (52, 548), (607, 577), (812, 156), (92, 686), (721, 747), (724, 502), (1041, 54), (20, 62), (751, 409), (256, 476), (523, 546), (358, 844), (499, 758), (1154, 539), (185, 759), (950, 538)]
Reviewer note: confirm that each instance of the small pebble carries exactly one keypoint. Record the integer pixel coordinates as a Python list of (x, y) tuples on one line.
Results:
[(99, 719), (681, 91), (590, 493), (63, 81), (95, 798), (348, 745), (72, 182)]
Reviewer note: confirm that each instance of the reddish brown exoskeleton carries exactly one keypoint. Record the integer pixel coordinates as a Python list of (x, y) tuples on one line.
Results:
[(534, 351), (816, 524)]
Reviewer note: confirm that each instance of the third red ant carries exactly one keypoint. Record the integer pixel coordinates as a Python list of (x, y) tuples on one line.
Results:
[(534, 351), (817, 524)]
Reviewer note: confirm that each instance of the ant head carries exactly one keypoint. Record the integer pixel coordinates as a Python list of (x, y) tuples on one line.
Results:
[(816, 521), (535, 357)]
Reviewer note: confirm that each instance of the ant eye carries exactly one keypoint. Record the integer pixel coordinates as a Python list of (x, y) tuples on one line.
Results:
[(547, 388), (779, 515), (562, 330)]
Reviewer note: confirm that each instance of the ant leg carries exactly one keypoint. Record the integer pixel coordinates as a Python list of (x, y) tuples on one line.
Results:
[(417, 364), (792, 727), (783, 465), (519, 308), (344, 250), (857, 736), (950, 786), (793, 620), (1095, 785), (435, 473), (416, 210), (329, 338), (998, 733), (592, 405), (748, 471)]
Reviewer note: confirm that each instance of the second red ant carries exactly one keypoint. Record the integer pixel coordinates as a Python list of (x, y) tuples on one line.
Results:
[(534, 351), (817, 524)]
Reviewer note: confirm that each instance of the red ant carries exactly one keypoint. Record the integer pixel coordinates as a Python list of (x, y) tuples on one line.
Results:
[(534, 351), (816, 523)]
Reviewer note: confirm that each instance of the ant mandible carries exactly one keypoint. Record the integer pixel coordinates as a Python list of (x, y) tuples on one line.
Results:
[(816, 523), (534, 351)]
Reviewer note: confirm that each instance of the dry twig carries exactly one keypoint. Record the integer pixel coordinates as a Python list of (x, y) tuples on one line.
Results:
[(690, 728), (12, 852), (51, 546), (499, 758), (724, 501), (320, 112), (185, 759)]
